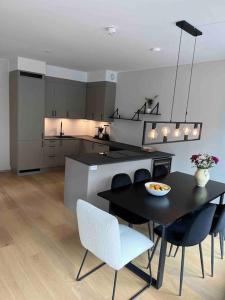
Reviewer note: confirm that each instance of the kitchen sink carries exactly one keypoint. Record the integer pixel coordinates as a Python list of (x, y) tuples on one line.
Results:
[(64, 136)]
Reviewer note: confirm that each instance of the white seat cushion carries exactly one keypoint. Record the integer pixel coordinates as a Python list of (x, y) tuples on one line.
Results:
[(133, 244)]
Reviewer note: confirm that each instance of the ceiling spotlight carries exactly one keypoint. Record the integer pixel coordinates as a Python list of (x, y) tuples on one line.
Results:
[(111, 30), (47, 50), (155, 49)]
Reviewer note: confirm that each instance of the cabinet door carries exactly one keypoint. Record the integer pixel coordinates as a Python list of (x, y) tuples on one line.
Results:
[(31, 106), (87, 147), (56, 96), (76, 93), (60, 90), (100, 148), (50, 153), (99, 103), (90, 103), (67, 148), (30, 155), (109, 103), (50, 99)]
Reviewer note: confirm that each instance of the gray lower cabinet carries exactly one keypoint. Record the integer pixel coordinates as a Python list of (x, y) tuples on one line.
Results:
[(65, 98), (29, 155), (100, 100), (55, 151), (92, 147)]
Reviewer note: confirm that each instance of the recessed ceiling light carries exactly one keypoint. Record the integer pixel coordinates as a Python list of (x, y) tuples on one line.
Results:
[(47, 50), (111, 30), (155, 49)]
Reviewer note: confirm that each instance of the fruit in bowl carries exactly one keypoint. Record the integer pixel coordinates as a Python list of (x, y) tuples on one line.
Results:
[(157, 188)]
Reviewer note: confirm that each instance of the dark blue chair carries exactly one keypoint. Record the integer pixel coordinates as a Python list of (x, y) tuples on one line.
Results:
[(218, 227), (118, 181), (142, 175), (189, 231)]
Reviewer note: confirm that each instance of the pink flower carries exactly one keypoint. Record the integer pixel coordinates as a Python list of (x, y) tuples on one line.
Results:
[(194, 157), (215, 159)]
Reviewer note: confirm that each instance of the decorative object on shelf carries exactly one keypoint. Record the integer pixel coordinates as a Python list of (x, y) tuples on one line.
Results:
[(175, 131), (149, 102), (203, 162)]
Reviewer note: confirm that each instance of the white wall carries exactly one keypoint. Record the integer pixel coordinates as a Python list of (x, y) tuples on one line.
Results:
[(207, 104), (65, 73), (4, 115)]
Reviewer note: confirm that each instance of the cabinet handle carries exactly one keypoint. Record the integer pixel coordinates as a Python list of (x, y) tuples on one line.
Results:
[(42, 144), (55, 113), (51, 156), (52, 113), (101, 116), (42, 135), (67, 114)]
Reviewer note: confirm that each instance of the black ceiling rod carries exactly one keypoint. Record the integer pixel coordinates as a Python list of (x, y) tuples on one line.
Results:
[(175, 81), (189, 86), (188, 28)]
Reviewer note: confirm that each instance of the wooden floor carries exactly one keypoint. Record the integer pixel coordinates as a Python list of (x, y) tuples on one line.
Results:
[(40, 252)]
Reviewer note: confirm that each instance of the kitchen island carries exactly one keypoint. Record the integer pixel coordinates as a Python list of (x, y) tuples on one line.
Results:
[(89, 173)]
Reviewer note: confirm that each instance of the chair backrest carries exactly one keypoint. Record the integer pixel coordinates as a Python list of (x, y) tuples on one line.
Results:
[(220, 225), (99, 233), (199, 226), (141, 175), (120, 180), (160, 171)]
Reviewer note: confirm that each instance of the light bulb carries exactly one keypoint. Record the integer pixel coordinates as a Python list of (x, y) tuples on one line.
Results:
[(186, 130), (165, 131), (152, 135), (195, 132), (177, 132)]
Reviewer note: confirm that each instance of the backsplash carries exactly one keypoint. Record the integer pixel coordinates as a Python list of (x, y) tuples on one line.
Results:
[(71, 126)]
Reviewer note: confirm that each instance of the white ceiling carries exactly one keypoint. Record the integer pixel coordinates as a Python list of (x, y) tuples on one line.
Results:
[(73, 31)]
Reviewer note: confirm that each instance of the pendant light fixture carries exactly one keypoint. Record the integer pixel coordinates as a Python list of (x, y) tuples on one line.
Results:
[(174, 131)]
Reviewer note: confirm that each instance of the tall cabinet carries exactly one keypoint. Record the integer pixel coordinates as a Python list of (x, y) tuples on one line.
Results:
[(100, 100), (27, 108)]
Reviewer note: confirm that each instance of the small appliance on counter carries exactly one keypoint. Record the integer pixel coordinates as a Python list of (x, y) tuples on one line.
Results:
[(105, 134), (102, 135), (99, 133)]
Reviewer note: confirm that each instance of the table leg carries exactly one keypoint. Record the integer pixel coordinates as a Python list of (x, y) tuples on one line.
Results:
[(221, 199), (162, 260)]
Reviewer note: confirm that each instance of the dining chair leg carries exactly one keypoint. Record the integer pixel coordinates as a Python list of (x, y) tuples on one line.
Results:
[(153, 233), (212, 255), (201, 258), (221, 245), (182, 270), (78, 278), (149, 231), (176, 251), (171, 248), (114, 285), (153, 252)]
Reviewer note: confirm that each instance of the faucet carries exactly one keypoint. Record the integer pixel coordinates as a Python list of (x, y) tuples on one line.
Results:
[(61, 131)]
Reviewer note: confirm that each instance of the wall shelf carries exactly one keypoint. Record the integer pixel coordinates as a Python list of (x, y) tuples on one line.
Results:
[(117, 116)]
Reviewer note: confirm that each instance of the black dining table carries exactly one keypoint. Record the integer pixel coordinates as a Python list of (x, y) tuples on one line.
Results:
[(183, 198)]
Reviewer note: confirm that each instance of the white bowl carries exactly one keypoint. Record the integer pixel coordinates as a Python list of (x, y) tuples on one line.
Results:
[(157, 192)]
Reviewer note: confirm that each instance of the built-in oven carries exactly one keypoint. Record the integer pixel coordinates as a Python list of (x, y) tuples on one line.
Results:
[(161, 167)]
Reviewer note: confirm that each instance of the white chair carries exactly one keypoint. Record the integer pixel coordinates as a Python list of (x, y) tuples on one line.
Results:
[(116, 245)]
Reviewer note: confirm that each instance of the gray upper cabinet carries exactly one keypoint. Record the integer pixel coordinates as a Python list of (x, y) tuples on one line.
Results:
[(100, 100), (30, 106), (75, 102), (65, 98), (55, 102)]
